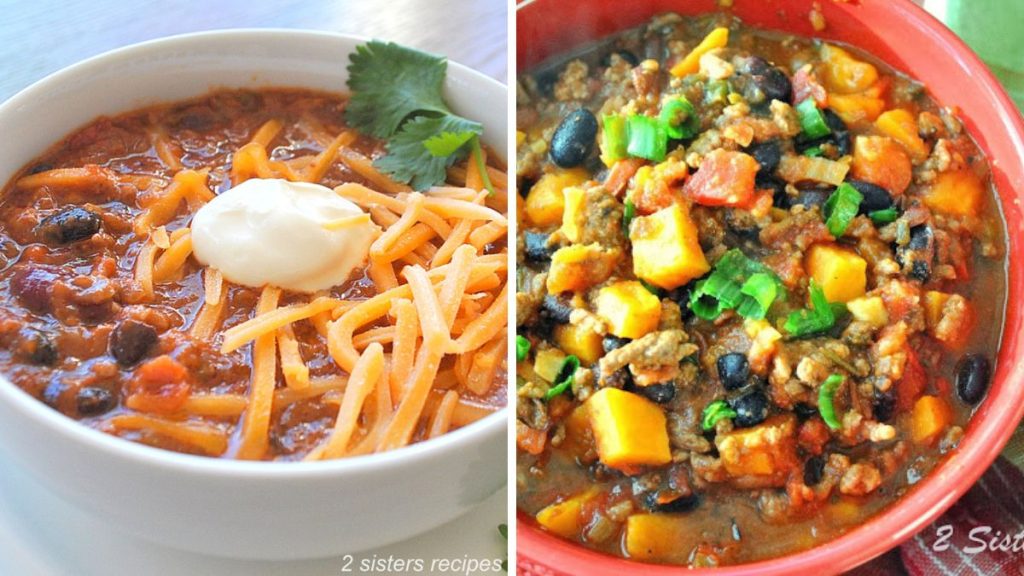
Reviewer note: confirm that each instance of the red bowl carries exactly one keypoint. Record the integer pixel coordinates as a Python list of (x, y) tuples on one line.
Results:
[(908, 38)]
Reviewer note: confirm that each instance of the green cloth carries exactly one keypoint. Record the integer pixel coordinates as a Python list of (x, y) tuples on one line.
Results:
[(993, 29)]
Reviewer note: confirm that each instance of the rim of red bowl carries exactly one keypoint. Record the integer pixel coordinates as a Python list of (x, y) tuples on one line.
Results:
[(993, 422)]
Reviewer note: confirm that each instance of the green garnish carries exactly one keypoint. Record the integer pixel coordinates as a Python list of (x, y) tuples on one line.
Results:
[(820, 317), (885, 216), (841, 208), (481, 166), (679, 118), (614, 138), (813, 152), (812, 121), (650, 287), (396, 95), (714, 412), (566, 377), (647, 138), (522, 348), (826, 399), (628, 214), (736, 282)]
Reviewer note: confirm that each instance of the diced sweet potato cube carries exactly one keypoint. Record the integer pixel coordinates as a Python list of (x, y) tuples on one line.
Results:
[(666, 249), (629, 309), (564, 518), (547, 362), (930, 417), (580, 342), (717, 38), (870, 310), (652, 537), (844, 74), (629, 429), (841, 273), (575, 199), (957, 193), (765, 450), (900, 125), (545, 202), (880, 160), (580, 266), (853, 108)]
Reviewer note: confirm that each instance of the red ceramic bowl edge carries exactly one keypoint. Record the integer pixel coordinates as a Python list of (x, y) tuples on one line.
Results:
[(985, 437)]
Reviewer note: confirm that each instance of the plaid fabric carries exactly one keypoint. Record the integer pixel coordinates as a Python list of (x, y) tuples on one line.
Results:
[(976, 537)]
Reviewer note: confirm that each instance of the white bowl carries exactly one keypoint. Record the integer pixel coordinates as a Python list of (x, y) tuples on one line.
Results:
[(256, 510)]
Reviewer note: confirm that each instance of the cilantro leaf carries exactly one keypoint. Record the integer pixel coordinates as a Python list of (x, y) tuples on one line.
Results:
[(408, 159), (447, 143), (391, 82)]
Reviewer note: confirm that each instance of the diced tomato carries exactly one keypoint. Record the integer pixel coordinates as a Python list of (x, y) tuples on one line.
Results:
[(724, 178), (882, 161), (530, 440), (620, 174), (806, 85), (813, 435), (160, 385), (913, 383)]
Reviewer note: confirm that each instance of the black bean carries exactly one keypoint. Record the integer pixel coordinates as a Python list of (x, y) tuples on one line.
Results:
[(574, 139), (805, 411), (920, 270), (69, 225), (733, 370), (875, 197), (658, 393), (536, 244), (916, 257), (131, 341), (780, 199), (814, 470), (93, 401), (624, 54), (767, 82), (609, 343), (670, 502), (973, 374), (681, 296), (813, 196), (555, 308), (840, 133), (36, 346), (741, 223), (921, 238), (883, 405), (768, 155), (751, 408), (33, 286)]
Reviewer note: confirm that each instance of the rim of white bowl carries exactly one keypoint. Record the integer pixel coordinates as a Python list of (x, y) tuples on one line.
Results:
[(89, 437)]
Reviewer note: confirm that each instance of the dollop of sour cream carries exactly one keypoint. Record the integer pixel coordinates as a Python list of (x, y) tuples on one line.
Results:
[(269, 231)]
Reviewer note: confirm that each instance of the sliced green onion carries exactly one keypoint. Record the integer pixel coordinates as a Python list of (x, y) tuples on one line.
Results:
[(736, 282), (841, 208), (820, 317), (762, 290), (522, 348), (481, 166), (614, 138), (884, 216), (826, 400), (627, 215), (813, 152), (650, 287), (679, 118), (566, 377), (714, 412), (812, 121), (647, 138)]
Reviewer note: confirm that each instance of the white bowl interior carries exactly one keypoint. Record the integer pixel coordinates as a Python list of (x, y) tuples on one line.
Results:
[(222, 507)]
